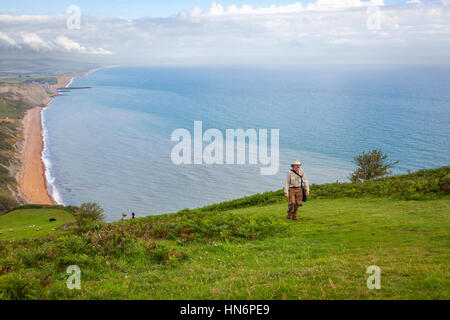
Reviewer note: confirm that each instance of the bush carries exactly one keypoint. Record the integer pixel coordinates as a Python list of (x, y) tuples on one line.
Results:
[(371, 165), (89, 212), (32, 258), (15, 286)]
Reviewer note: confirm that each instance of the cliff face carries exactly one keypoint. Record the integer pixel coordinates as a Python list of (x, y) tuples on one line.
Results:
[(31, 94)]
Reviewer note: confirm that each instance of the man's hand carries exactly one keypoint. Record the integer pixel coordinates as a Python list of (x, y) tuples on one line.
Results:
[(286, 195), (307, 193)]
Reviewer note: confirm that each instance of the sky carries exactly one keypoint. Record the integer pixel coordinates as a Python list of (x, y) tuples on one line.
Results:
[(132, 9), (228, 31)]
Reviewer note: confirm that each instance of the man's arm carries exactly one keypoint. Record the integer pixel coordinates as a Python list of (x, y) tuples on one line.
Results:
[(286, 184)]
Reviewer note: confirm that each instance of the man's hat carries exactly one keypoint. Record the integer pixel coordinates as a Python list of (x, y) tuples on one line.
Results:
[(296, 162)]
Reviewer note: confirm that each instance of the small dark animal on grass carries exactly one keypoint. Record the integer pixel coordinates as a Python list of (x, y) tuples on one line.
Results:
[(52, 219)]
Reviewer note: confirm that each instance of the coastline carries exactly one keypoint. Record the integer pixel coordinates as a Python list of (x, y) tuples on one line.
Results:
[(33, 185), (38, 187), (31, 176)]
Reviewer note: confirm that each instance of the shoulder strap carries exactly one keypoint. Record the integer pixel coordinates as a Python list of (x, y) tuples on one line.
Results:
[(301, 177)]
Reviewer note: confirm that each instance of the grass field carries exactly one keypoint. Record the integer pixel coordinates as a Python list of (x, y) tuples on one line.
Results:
[(248, 253), (32, 223)]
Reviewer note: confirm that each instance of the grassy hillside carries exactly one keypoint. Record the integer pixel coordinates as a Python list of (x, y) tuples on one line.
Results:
[(245, 249), (41, 67), (9, 133), (33, 223)]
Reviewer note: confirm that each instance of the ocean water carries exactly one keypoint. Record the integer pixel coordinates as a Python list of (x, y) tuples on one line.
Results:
[(112, 143)]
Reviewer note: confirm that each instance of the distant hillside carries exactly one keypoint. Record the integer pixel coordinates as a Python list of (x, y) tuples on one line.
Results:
[(20, 97), (43, 66), (43, 71)]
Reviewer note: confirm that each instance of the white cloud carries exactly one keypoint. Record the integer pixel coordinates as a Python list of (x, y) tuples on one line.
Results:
[(7, 40), (196, 12), (35, 42), (319, 5), (5, 18), (275, 34), (70, 45), (100, 51), (342, 4)]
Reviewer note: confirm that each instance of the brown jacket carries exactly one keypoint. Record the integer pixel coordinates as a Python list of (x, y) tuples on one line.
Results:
[(293, 180)]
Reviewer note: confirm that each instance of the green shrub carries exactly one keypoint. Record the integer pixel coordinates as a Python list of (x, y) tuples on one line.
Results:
[(74, 244), (9, 264), (371, 165), (89, 212), (32, 258), (16, 286)]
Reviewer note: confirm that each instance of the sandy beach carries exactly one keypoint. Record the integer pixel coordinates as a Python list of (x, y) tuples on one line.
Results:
[(31, 176), (63, 81)]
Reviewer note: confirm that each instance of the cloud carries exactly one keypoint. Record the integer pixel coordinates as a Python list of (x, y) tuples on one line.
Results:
[(7, 40), (319, 5), (14, 19), (69, 45), (323, 31), (342, 4), (35, 42), (100, 51)]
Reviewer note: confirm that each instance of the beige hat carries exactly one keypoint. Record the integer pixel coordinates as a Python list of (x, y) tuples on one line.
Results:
[(296, 162)]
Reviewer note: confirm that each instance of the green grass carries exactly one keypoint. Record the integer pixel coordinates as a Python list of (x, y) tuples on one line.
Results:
[(246, 253), (21, 220), (12, 109), (245, 248)]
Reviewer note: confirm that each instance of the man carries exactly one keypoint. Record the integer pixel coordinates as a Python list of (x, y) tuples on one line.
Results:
[(293, 189)]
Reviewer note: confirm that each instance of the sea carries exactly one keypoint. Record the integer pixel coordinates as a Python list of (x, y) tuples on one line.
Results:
[(112, 143)]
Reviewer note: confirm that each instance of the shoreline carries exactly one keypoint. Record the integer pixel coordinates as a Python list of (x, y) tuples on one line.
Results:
[(32, 177), (50, 189), (32, 183)]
